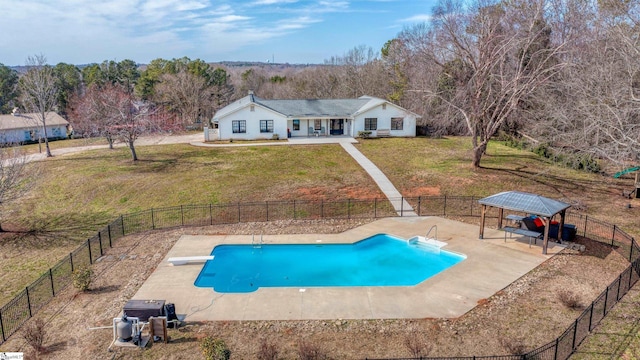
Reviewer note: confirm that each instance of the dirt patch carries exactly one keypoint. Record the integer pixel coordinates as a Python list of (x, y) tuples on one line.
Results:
[(345, 192), (423, 191), (526, 314)]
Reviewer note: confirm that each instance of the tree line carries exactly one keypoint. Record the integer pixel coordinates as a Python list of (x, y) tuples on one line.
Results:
[(562, 74)]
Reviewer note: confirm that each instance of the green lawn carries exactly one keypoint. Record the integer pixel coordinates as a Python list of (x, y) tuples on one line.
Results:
[(78, 194)]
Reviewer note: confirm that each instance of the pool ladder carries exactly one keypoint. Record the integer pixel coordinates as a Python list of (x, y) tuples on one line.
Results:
[(429, 232), (257, 244)]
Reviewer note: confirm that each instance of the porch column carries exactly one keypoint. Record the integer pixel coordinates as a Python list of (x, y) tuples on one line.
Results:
[(563, 213), (545, 242), (500, 213), (483, 213)]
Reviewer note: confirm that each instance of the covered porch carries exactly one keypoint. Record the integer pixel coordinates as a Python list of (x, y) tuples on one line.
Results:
[(329, 126), (526, 203)]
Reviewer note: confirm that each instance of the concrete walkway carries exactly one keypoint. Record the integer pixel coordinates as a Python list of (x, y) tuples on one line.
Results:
[(400, 205)]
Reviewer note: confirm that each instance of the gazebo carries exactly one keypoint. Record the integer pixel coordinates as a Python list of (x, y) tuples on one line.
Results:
[(528, 203)]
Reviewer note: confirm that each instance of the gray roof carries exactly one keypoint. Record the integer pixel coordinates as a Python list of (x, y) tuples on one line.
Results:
[(525, 202), (315, 108), (29, 121)]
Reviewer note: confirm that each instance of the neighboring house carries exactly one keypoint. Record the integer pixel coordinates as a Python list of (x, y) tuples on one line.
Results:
[(23, 128), (252, 118)]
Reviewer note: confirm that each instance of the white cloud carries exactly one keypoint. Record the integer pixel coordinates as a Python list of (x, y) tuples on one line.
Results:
[(273, 2), (418, 18), (80, 31)]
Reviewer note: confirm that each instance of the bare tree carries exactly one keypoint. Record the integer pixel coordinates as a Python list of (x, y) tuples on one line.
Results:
[(495, 56), (39, 91), (17, 176), (113, 112), (92, 116), (593, 108), (186, 95)]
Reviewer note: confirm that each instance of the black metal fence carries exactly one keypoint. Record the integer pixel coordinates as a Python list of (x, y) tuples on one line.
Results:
[(27, 302)]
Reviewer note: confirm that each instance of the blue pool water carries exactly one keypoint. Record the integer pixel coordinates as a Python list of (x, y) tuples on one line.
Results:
[(381, 260)]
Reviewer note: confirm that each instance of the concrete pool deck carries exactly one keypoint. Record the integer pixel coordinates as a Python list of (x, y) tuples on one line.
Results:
[(491, 265)]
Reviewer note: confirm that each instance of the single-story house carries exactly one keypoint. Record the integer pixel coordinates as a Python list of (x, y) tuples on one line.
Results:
[(252, 118), (27, 127)]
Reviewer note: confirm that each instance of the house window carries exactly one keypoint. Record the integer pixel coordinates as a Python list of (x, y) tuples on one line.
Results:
[(370, 124), (239, 126), (317, 124), (266, 126), (296, 125), (397, 123)]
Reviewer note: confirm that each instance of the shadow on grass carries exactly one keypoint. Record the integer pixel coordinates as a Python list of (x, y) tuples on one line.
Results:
[(617, 336), (103, 289), (42, 232), (560, 185)]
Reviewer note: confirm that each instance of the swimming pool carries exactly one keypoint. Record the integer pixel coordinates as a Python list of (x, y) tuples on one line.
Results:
[(380, 260)]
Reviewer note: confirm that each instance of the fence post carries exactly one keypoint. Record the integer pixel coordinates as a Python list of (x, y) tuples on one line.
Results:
[(630, 276), (122, 224), (555, 355), (606, 297), (89, 246), (238, 212), (375, 208), (267, 205), (182, 214), (2, 328), (53, 290), (419, 204), (613, 236), (153, 221), (591, 316), (109, 234), (444, 209), (210, 215), (100, 242), (28, 301), (633, 243), (471, 207), (575, 332), (585, 225), (619, 284), (401, 206), (71, 261)]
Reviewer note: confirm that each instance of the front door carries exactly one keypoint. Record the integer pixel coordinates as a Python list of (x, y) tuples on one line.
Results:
[(337, 126)]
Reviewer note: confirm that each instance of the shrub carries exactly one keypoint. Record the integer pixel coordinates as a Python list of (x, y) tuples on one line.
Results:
[(308, 351), (82, 278), (569, 299), (275, 137), (416, 348), (34, 334), (267, 351), (214, 349), (364, 134), (514, 346)]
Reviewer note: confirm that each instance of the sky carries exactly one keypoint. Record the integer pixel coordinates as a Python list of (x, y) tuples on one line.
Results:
[(285, 31)]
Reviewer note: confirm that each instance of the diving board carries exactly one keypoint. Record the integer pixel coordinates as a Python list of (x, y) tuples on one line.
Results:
[(183, 260)]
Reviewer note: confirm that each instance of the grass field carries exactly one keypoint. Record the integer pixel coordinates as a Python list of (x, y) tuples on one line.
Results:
[(77, 194)]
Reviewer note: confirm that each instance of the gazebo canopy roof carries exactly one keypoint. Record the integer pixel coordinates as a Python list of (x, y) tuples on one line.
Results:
[(525, 202)]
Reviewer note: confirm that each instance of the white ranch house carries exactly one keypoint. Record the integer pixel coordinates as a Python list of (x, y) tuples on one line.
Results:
[(252, 118), (27, 127)]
